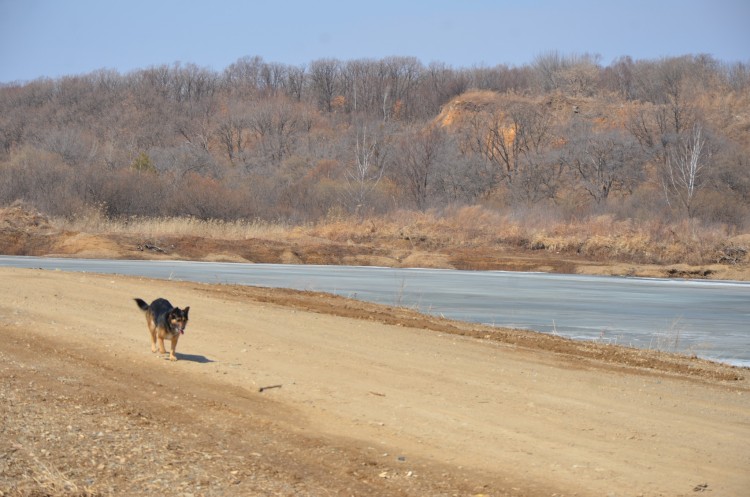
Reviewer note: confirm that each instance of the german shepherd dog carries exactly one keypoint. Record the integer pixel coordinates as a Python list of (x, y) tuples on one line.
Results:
[(164, 321)]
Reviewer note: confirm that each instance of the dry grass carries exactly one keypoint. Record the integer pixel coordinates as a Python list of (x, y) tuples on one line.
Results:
[(95, 223), (50, 481), (601, 237), (597, 237)]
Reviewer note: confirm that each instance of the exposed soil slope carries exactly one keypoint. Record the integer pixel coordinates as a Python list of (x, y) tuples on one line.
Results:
[(26, 232)]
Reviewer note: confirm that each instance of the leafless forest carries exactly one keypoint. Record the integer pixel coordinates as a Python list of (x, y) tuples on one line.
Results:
[(563, 137)]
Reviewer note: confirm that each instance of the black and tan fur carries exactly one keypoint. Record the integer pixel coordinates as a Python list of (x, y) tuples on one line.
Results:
[(164, 321)]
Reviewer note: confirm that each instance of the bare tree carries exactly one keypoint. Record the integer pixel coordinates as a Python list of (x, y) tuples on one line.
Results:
[(402, 75), (581, 78), (273, 78), (191, 83), (194, 121), (295, 82), (513, 136), (357, 85), (74, 146), (618, 77), (275, 123), (687, 162), (419, 155), (324, 77), (575, 74), (603, 162), (368, 167), (516, 143), (548, 68), (232, 135), (539, 179), (243, 76), (439, 84)]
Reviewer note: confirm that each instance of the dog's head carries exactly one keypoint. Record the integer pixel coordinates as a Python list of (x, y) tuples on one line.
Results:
[(178, 319)]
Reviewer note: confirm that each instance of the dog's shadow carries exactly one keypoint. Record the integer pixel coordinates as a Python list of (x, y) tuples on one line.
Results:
[(201, 359)]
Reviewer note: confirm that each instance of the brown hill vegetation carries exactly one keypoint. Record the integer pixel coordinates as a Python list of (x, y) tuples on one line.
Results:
[(637, 162)]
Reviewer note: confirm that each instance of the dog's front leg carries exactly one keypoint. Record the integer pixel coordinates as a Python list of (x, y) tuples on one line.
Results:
[(172, 355), (162, 350)]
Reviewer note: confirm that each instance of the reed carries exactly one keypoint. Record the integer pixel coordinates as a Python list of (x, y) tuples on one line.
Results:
[(601, 237), (240, 229)]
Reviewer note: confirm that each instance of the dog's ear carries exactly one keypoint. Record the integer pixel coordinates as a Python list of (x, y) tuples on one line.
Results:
[(186, 311)]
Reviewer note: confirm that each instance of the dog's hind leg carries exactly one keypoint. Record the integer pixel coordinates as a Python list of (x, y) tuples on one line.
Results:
[(152, 330)]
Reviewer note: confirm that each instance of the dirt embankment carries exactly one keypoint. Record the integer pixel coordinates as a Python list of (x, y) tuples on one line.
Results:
[(25, 232)]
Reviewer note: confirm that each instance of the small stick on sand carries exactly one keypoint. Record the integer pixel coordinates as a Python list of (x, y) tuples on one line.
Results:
[(267, 388)]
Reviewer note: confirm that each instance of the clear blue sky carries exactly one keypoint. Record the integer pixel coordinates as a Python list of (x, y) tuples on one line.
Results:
[(53, 38)]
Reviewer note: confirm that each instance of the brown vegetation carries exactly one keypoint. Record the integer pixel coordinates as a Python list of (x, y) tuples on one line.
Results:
[(370, 138), (466, 238)]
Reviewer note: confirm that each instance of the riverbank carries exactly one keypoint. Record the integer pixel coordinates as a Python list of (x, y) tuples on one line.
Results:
[(368, 401), (695, 318), (472, 239)]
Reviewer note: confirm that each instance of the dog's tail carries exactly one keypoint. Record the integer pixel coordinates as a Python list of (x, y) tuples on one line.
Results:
[(142, 304)]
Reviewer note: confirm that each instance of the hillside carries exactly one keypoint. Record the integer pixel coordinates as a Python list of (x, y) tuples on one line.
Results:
[(570, 141)]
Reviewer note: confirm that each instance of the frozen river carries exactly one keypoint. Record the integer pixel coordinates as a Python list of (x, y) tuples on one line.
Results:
[(708, 318)]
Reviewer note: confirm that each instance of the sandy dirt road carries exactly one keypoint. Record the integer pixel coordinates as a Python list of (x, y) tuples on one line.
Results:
[(364, 407)]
